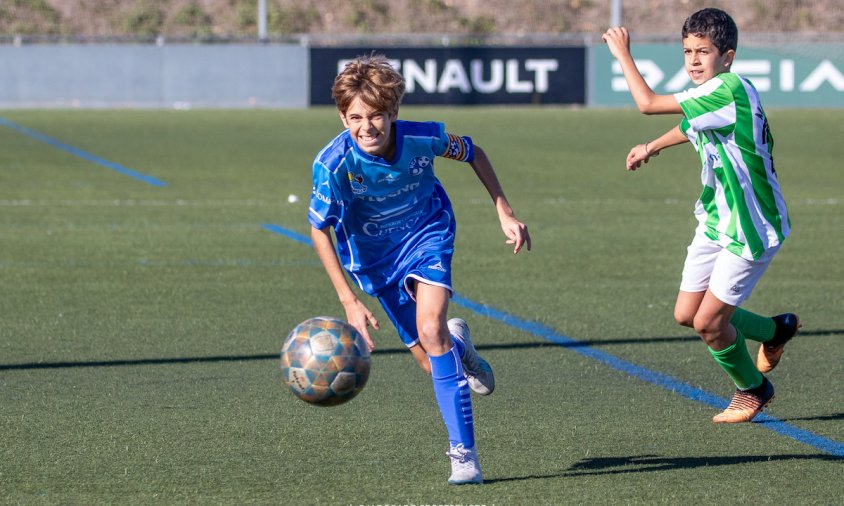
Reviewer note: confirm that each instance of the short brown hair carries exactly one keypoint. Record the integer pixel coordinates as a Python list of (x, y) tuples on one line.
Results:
[(715, 24), (371, 78)]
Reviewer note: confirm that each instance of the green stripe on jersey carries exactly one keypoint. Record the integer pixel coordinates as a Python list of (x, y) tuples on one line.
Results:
[(741, 203)]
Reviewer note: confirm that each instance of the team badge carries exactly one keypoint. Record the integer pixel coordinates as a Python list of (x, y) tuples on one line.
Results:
[(418, 164), (356, 181)]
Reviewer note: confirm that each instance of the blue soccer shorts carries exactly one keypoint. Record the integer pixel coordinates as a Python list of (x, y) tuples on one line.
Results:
[(399, 299)]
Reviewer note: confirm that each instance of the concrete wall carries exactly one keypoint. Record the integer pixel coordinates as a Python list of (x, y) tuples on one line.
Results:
[(149, 76)]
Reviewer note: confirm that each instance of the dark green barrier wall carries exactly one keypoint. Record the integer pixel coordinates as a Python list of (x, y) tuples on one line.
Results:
[(800, 75)]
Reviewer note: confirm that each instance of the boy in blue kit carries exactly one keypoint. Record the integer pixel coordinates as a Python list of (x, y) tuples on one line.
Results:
[(741, 213), (374, 185)]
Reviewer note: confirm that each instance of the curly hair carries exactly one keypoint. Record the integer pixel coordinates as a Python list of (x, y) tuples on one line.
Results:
[(371, 78), (715, 24)]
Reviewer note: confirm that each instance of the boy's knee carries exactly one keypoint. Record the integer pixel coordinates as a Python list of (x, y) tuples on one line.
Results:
[(684, 319), (709, 330), (431, 334)]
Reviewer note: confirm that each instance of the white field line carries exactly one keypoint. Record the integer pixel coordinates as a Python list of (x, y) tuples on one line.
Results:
[(267, 203), (138, 203)]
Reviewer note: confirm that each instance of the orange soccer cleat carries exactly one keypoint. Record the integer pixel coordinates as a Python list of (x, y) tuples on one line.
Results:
[(746, 404), (771, 352)]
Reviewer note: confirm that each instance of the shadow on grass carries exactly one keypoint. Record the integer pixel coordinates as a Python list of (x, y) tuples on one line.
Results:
[(649, 463), (839, 416), (385, 351)]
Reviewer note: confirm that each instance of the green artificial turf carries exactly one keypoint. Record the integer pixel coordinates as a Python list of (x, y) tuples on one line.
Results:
[(141, 324)]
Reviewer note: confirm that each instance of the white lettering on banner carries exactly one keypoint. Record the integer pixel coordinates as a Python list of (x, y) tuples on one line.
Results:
[(679, 82), (758, 71), (496, 70), (787, 75), (648, 68), (542, 69), (503, 75), (427, 78), (826, 71), (454, 76), (513, 83), (754, 70)]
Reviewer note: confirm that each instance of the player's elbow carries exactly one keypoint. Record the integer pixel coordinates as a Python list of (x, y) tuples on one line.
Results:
[(657, 104), (647, 107)]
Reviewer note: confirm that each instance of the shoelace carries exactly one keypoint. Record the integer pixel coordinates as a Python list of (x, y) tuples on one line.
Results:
[(744, 400), (459, 453)]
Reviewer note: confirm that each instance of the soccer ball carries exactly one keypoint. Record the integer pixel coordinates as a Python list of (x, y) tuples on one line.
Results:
[(325, 361)]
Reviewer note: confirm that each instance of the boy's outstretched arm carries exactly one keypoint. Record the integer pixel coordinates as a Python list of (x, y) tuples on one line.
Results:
[(356, 313), (646, 100), (516, 231), (641, 153)]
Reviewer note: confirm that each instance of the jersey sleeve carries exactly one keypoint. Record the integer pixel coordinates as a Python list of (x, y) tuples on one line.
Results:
[(689, 132), (459, 148), (455, 147), (710, 106), (326, 203)]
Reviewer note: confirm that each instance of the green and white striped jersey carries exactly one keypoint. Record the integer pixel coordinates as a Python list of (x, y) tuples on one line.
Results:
[(741, 205)]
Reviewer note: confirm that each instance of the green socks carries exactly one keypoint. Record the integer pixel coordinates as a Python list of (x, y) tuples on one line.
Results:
[(736, 361), (755, 327)]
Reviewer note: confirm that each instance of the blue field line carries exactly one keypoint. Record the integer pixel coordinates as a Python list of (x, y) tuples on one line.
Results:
[(653, 377), (289, 233), (81, 154)]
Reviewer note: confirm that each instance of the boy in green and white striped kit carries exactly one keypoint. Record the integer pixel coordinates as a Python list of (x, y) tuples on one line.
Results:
[(742, 217)]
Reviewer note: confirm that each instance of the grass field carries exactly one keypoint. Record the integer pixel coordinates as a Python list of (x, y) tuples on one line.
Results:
[(141, 323)]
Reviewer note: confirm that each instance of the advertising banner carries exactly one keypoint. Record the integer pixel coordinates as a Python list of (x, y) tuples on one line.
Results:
[(800, 75), (467, 75)]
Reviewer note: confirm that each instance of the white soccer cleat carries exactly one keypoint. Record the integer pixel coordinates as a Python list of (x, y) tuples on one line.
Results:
[(465, 468), (478, 371)]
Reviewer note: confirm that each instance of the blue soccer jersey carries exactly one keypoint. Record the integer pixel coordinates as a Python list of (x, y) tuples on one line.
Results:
[(386, 211)]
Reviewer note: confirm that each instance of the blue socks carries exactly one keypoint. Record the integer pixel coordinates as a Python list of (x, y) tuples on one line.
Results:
[(459, 346), (452, 392)]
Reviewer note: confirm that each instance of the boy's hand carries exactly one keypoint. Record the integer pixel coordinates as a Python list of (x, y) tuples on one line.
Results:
[(360, 317), (638, 155), (516, 232), (618, 40)]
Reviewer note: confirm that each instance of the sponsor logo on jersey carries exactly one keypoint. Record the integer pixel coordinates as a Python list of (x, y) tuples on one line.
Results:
[(380, 229), (325, 199), (389, 178), (437, 267), (399, 191)]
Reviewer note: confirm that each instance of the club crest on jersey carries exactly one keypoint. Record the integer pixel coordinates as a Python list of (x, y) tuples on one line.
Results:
[(418, 164), (356, 181)]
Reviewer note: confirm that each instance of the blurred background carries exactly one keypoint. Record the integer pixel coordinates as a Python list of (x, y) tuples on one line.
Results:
[(284, 53), (220, 20)]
